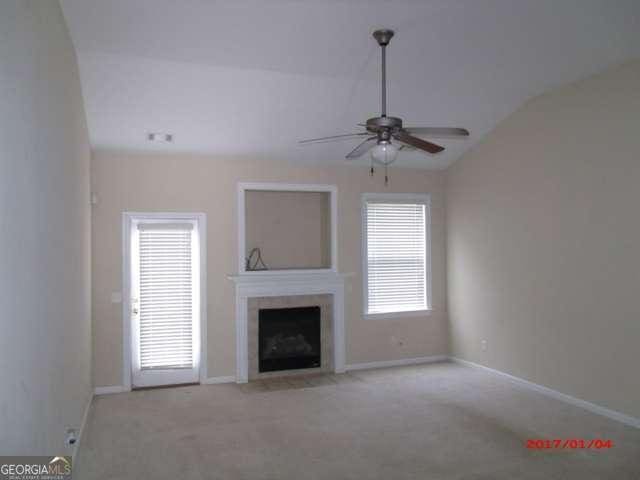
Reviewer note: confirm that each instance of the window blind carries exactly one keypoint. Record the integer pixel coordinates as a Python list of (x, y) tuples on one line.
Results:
[(396, 257), (166, 296)]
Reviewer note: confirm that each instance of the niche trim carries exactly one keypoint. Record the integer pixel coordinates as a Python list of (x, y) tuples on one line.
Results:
[(332, 190)]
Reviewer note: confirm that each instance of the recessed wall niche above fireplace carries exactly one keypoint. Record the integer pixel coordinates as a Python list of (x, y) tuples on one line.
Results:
[(287, 228), (288, 338)]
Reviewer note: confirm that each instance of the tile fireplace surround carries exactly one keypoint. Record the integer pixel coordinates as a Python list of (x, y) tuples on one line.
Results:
[(293, 289)]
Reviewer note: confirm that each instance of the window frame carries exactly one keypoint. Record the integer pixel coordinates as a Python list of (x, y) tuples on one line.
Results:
[(417, 198)]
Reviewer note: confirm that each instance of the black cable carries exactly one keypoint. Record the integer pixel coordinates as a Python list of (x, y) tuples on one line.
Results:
[(258, 263)]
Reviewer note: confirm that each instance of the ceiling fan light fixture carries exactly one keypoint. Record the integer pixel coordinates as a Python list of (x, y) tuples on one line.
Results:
[(384, 153)]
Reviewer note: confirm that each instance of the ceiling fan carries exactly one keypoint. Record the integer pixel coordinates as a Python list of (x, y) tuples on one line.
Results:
[(380, 131)]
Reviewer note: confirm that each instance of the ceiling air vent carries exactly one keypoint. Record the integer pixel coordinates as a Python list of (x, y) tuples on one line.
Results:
[(160, 137)]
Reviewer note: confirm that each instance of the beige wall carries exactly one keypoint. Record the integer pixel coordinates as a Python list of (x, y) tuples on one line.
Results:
[(290, 228), (543, 230), (45, 339), (180, 183)]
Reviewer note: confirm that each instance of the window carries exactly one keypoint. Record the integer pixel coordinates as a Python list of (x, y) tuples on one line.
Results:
[(396, 253), (165, 297)]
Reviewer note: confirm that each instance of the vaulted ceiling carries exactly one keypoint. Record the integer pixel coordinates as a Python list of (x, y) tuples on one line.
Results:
[(249, 78)]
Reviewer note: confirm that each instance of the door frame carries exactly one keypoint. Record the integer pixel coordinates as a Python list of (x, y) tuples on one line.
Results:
[(127, 341)]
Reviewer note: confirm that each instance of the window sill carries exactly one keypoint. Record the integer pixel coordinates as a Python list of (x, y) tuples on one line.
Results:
[(392, 315)]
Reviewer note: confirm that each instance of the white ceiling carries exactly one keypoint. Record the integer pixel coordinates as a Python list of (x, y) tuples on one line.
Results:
[(249, 78)]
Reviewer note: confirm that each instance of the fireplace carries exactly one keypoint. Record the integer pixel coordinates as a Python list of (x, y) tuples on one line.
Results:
[(288, 338)]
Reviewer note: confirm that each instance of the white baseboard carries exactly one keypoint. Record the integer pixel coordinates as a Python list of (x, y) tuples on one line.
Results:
[(110, 389), (217, 380), (578, 402), (396, 363), (83, 424)]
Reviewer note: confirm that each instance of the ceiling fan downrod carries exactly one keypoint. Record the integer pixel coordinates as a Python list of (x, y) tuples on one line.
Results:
[(383, 37)]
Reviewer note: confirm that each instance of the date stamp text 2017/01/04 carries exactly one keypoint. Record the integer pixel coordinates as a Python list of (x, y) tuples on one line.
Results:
[(568, 443)]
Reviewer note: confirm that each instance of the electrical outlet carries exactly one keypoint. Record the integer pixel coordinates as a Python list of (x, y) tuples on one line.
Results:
[(70, 437), (483, 345)]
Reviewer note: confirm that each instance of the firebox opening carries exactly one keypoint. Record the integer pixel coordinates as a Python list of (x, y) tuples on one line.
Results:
[(289, 338)]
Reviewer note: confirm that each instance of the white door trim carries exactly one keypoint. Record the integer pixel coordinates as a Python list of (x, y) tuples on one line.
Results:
[(127, 346)]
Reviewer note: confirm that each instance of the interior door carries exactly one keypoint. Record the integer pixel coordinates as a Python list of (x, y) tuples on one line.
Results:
[(164, 301)]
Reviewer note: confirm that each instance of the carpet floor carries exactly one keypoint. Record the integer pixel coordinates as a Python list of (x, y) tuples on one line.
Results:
[(438, 421)]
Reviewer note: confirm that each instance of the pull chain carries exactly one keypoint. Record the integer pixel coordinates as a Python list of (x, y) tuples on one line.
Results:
[(386, 175)]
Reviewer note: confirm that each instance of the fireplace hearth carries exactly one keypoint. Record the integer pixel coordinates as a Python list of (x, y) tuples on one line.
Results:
[(289, 338)]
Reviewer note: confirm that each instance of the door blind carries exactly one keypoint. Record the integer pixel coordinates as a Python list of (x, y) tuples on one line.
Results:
[(396, 257), (166, 296)]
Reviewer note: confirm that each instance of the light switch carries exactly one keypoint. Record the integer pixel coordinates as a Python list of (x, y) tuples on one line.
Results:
[(116, 297)]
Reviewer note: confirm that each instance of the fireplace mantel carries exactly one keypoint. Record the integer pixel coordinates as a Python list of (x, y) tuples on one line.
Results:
[(283, 283)]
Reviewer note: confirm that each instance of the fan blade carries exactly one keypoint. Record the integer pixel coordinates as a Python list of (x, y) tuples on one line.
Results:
[(333, 137), (417, 142), (439, 131), (363, 148)]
